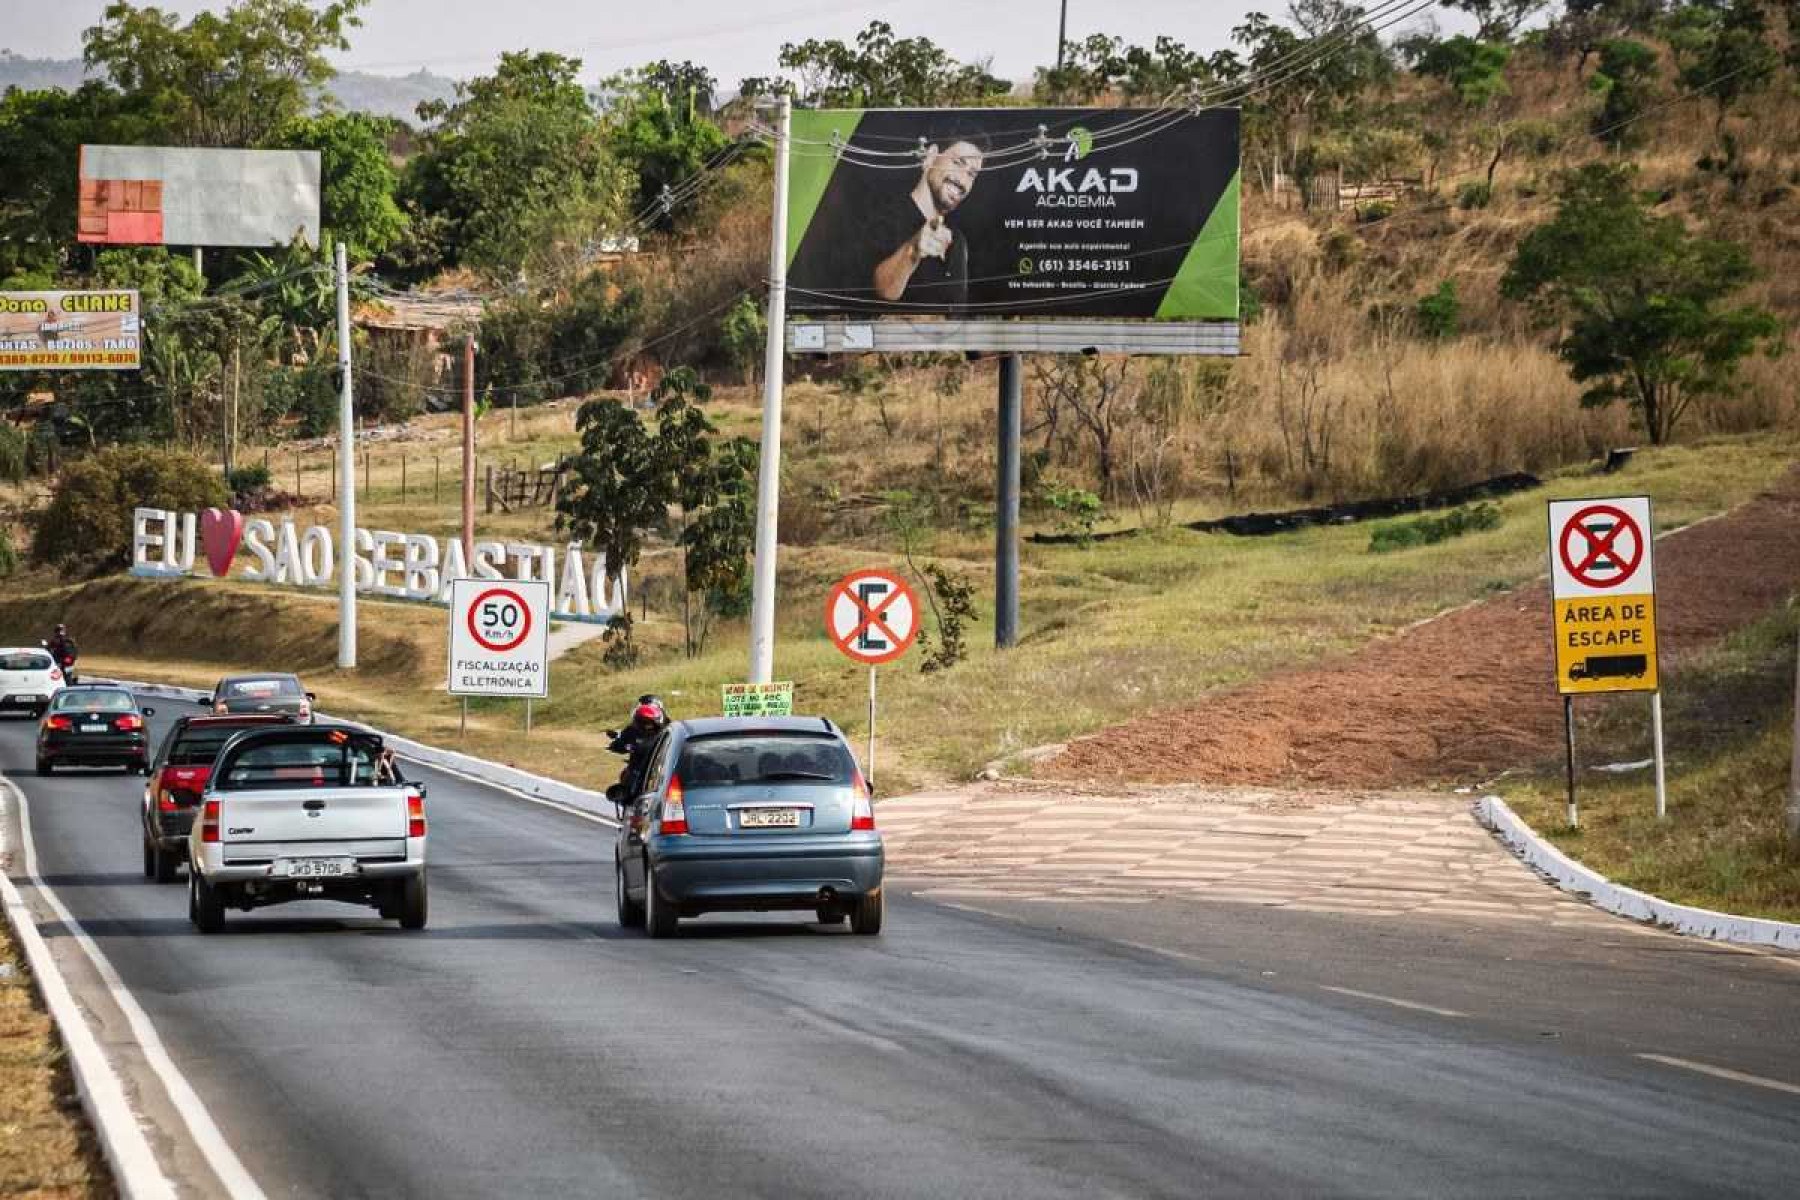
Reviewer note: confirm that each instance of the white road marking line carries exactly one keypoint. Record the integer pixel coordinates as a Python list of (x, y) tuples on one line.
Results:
[(1393, 1000), (1774, 1085), (210, 1141), (558, 805)]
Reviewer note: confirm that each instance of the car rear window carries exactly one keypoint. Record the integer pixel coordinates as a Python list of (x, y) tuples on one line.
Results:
[(278, 685), (72, 700), (24, 662), (326, 763), (727, 760), (197, 747)]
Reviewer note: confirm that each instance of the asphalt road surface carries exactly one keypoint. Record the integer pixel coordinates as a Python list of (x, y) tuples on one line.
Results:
[(524, 1045)]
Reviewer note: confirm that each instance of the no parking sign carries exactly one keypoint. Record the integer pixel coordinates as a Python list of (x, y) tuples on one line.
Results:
[(500, 638), (1604, 589)]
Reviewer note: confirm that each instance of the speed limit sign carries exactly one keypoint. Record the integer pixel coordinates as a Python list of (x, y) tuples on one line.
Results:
[(499, 638)]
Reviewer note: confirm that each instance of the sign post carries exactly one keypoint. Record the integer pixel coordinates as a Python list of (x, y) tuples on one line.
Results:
[(500, 640), (873, 618), (1603, 596)]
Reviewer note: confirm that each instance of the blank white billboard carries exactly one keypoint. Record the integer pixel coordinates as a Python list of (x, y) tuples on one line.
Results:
[(209, 197)]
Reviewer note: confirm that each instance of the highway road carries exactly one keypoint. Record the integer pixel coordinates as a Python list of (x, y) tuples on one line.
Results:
[(524, 1045)]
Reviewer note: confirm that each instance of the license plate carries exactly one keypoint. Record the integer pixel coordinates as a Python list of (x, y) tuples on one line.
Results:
[(315, 868), (769, 818), (93, 729)]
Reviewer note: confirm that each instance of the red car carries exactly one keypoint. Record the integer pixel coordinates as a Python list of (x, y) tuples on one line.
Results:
[(178, 776)]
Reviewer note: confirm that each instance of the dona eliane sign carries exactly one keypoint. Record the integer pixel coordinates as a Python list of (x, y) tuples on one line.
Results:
[(403, 566), (1015, 212)]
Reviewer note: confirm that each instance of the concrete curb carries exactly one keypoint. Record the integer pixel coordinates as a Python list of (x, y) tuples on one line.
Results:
[(512, 779), (1596, 889)]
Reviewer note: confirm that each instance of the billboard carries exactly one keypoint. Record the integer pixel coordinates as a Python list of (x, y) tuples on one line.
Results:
[(1039, 213), (186, 196), (61, 331)]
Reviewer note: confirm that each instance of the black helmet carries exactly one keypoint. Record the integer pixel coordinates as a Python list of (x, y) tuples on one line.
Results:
[(61, 628)]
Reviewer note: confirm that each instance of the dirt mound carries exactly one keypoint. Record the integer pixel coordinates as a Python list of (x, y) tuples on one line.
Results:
[(1459, 698)]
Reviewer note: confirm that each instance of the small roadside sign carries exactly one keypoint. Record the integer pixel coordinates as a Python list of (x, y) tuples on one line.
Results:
[(500, 638), (872, 616), (1603, 588), (759, 699)]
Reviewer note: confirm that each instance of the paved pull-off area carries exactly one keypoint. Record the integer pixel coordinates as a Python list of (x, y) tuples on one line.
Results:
[(1032, 1040)]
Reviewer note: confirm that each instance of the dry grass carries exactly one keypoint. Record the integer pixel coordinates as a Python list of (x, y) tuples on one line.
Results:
[(1729, 718), (46, 1149)]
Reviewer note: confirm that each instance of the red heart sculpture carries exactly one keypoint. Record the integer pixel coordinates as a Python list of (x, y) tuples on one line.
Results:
[(221, 530)]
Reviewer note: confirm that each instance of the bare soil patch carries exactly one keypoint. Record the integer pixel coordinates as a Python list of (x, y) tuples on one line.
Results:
[(1456, 699)]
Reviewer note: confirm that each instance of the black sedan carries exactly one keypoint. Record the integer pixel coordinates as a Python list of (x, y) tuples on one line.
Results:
[(264, 693), (94, 726)]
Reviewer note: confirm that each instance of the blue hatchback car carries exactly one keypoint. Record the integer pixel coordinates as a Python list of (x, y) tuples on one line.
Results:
[(750, 814)]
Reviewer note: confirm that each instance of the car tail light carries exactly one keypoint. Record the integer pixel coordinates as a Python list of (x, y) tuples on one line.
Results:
[(305, 711), (674, 810), (55, 675), (862, 809), (209, 821), (59, 723), (129, 722), (415, 815)]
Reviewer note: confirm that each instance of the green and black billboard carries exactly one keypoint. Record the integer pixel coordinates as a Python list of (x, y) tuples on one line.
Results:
[(1014, 212)]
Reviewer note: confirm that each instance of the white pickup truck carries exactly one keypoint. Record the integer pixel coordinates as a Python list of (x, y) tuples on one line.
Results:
[(307, 812)]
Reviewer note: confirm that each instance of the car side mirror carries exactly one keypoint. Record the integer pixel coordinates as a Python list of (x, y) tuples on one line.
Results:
[(419, 788), (311, 697)]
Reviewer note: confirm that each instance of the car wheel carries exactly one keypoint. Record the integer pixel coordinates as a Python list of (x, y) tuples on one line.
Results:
[(414, 902), (829, 915), (164, 863), (866, 914), (206, 908), (631, 913), (149, 858), (44, 766), (660, 917)]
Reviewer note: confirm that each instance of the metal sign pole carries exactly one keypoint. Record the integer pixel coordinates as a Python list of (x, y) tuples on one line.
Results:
[(1656, 739), (1569, 746), (463, 731), (768, 476), (871, 729), (528, 716), (346, 657)]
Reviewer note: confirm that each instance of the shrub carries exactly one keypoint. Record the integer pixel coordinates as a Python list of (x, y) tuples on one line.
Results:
[(14, 454), (9, 558), (1428, 531), (1078, 510), (952, 599), (1475, 193), (1438, 315), (88, 521)]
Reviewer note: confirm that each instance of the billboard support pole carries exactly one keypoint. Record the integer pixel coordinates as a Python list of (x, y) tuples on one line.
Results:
[(768, 475), (1006, 505), (346, 658)]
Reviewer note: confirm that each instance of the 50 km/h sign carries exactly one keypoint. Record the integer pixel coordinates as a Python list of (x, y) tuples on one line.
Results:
[(499, 638), (1604, 592)]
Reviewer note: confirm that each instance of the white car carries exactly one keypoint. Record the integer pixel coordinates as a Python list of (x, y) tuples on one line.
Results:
[(307, 812), (29, 680)]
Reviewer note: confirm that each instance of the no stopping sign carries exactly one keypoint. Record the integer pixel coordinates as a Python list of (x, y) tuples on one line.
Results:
[(499, 638)]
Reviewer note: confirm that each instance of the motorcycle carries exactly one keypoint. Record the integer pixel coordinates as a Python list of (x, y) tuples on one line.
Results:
[(66, 662)]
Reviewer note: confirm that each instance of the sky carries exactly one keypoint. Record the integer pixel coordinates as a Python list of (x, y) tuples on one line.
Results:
[(732, 38)]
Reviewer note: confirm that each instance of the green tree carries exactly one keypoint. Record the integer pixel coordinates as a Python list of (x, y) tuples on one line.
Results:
[(1100, 65), (515, 170), (41, 133), (616, 491), (880, 70), (1644, 303), (223, 79), (1723, 50), (1499, 19), (1626, 82), (1586, 25), (357, 181), (1474, 70), (711, 487), (657, 126), (88, 520), (743, 334)]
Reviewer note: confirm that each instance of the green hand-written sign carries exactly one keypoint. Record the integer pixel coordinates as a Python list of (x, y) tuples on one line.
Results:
[(759, 699)]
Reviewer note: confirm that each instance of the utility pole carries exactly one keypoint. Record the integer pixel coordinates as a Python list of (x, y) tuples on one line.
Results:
[(346, 554), (768, 476), (468, 449), (1006, 505), (1062, 34), (1793, 796)]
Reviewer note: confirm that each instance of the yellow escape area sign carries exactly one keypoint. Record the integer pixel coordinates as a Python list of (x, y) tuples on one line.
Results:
[(1606, 645)]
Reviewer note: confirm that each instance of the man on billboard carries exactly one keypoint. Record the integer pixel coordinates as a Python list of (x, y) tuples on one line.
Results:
[(923, 258)]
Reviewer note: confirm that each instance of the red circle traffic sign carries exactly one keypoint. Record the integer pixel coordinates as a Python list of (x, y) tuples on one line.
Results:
[(517, 630), (1599, 548), (872, 627)]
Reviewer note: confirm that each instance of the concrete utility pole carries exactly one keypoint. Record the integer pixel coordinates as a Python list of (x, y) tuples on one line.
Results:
[(768, 476), (1006, 505), (1793, 797), (346, 561), (468, 449)]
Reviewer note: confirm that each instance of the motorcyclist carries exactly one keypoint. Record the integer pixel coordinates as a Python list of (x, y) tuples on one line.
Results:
[(62, 649), (636, 740)]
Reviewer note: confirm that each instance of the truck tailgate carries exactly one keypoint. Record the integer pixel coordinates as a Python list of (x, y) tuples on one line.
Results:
[(321, 817)]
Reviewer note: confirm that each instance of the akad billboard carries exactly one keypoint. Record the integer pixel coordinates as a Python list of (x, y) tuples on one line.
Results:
[(70, 331), (1015, 212), (197, 196)]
